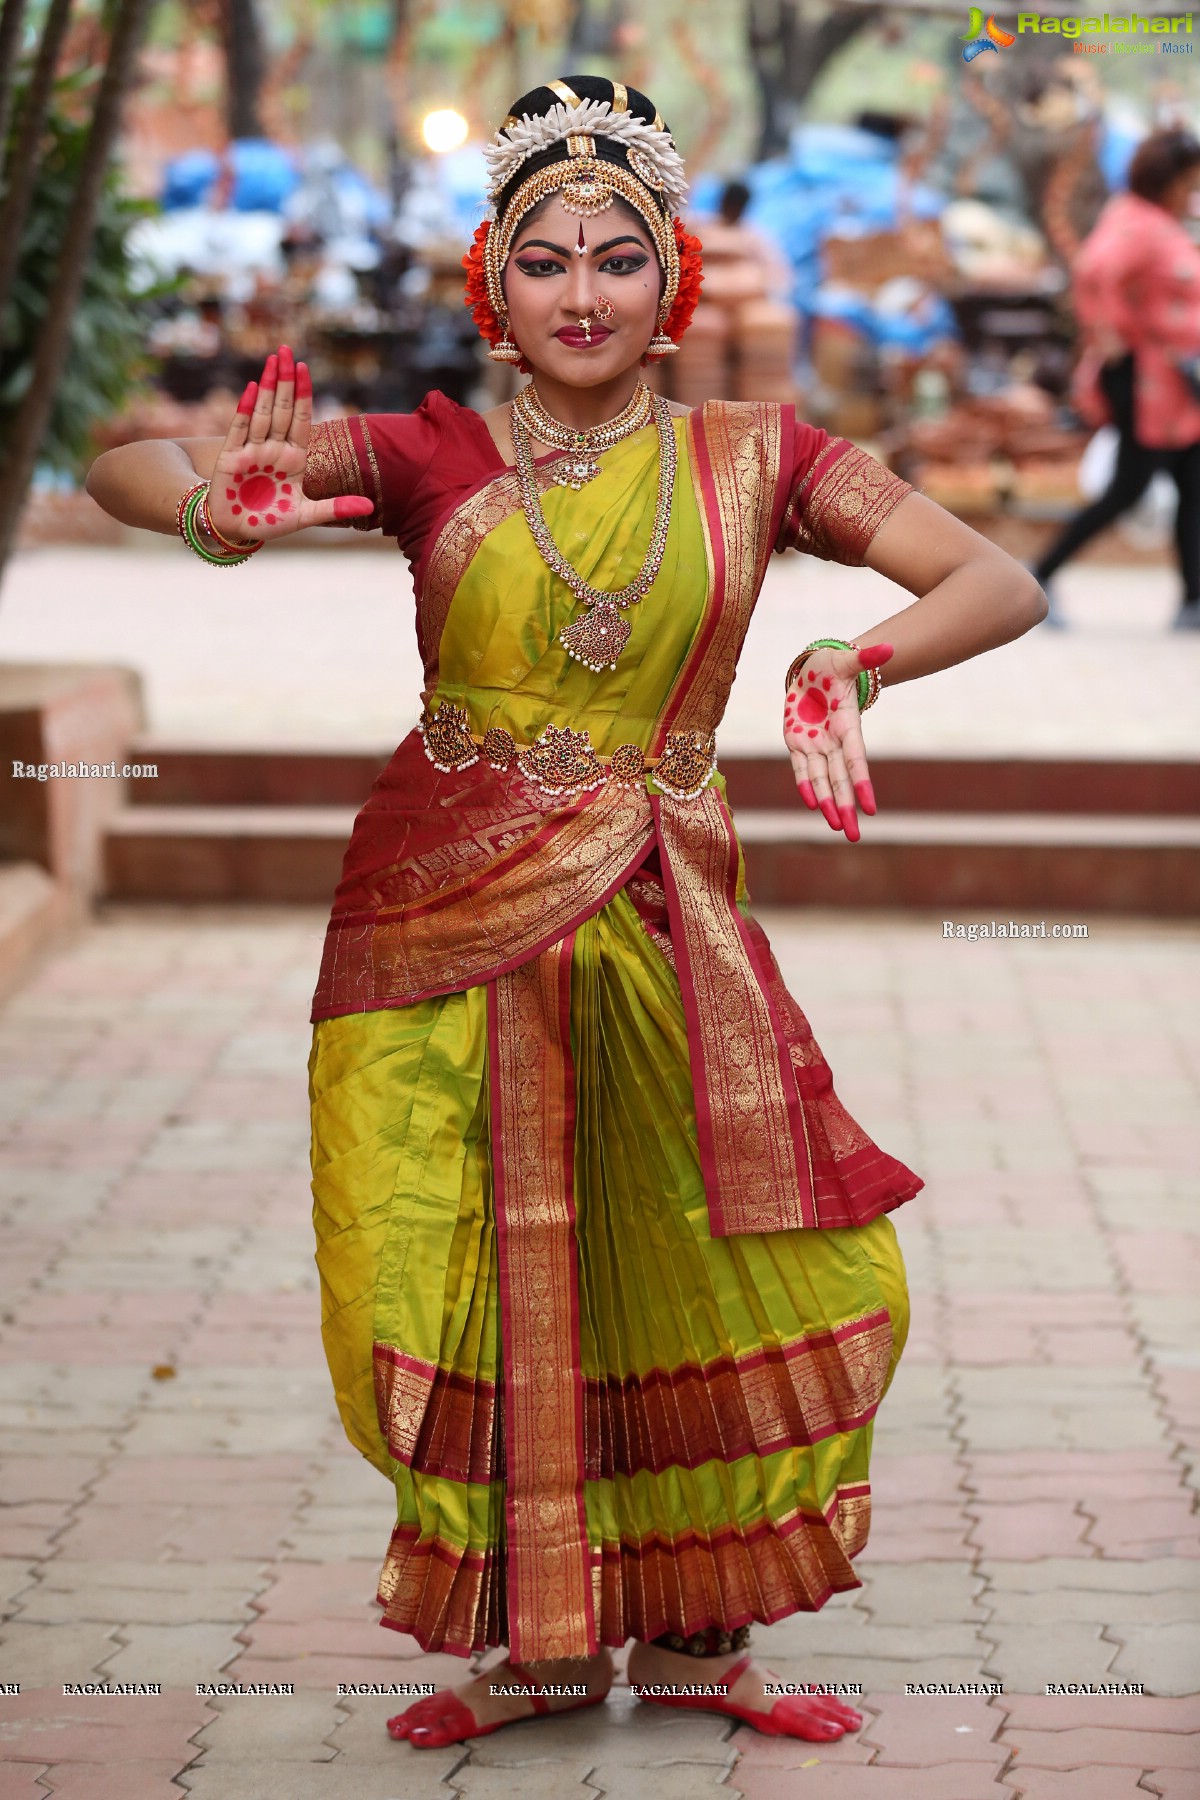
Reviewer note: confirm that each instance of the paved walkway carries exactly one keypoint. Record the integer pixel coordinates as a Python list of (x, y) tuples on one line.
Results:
[(316, 647), (179, 1505)]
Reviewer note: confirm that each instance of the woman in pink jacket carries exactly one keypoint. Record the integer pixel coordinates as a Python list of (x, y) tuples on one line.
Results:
[(1136, 284)]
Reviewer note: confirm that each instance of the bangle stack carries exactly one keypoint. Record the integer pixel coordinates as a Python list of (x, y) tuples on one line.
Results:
[(201, 535), (868, 681)]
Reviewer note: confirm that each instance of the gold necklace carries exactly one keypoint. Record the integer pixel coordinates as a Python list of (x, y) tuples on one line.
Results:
[(599, 635), (585, 446)]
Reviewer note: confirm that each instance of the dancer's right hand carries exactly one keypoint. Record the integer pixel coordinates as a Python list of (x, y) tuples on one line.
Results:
[(256, 490)]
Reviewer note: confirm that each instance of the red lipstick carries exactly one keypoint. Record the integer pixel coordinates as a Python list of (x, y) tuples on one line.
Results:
[(579, 340)]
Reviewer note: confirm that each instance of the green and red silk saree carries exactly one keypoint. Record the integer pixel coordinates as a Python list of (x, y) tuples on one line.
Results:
[(608, 1289)]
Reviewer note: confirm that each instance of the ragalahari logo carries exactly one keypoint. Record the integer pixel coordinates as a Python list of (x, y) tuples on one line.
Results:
[(984, 37)]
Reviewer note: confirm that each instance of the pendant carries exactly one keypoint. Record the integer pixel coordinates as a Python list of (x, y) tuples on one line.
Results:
[(576, 472), (597, 637)]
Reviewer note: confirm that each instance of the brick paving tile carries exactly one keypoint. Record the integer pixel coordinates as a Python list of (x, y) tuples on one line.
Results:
[(555, 1780), (260, 1780), (293, 1727), (301, 1592), (919, 1731), (1166, 1656), (1173, 1784), (119, 1781), (1121, 1712), (1138, 1527), (1026, 1657), (909, 1594), (1075, 1784), (192, 1533), (759, 1752), (39, 1723), (1086, 1748), (177, 1655), (1030, 1529), (821, 1781), (19, 1781), (680, 1781), (317, 1671)]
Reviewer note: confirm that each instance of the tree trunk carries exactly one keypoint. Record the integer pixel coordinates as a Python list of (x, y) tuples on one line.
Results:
[(789, 52), (129, 22), (245, 67), (11, 21), (22, 170)]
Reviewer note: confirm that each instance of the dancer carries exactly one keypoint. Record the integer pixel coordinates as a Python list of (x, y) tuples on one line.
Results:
[(610, 1293)]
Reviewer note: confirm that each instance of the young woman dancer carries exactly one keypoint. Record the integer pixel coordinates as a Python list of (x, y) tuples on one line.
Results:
[(609, 1290)]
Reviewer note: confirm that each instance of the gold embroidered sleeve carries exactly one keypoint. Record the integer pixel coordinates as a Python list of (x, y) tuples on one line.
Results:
[(341, 460), (840, 504)]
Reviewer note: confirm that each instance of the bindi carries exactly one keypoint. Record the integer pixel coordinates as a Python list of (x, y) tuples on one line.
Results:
[(261, 495), (581, 242)]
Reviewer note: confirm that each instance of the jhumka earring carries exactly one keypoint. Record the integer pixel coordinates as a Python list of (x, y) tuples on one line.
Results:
[(505, 351), (660, 344), (604, 309)]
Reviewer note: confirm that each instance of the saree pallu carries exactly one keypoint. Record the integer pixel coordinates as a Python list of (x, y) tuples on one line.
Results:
[(607, 1287)]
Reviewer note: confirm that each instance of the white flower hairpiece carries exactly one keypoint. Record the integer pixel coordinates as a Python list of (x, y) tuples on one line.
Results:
[(514, 144)]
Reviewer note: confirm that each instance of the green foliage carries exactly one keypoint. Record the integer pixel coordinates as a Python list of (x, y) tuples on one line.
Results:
[(107, 358)]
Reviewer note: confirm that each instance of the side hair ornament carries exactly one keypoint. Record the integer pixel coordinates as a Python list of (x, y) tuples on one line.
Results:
[(651, 180)]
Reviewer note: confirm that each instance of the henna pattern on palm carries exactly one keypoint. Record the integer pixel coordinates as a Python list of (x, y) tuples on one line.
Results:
[(261, 494)]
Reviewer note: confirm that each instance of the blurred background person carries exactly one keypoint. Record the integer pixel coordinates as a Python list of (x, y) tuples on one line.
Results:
[(1136, 286)]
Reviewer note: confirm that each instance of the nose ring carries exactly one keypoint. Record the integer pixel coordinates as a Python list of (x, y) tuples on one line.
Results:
[(604, 309), (585, 325)]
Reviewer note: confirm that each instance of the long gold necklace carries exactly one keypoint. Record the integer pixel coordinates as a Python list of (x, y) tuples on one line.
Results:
[(586, 445), (597, 637)]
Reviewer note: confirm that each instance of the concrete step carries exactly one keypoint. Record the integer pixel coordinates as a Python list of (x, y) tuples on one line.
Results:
[(947, 861), (279, 777)]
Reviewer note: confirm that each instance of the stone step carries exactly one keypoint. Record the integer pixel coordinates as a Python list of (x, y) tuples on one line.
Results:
[(198, 776), (947, 861)]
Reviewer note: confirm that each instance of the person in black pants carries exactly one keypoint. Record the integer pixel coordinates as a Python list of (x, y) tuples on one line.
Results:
[(1135, 466)]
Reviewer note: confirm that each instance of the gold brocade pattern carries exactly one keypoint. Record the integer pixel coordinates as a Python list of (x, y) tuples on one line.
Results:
[(785, 1396), (331, 467), (841, 503), (403, 1385), (744, 440), (460, 937), (759, 1184), (533, 1136), (852, 1521)]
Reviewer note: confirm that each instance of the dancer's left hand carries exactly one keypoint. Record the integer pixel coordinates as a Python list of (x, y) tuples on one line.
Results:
[(824, 738)]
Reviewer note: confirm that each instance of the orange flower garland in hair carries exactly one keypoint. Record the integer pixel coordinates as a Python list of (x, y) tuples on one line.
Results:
[(691, 274)]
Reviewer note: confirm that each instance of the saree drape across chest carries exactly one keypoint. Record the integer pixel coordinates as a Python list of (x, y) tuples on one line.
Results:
[(607, 1287)]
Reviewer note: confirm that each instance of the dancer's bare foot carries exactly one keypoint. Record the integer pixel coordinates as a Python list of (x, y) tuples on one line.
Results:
[(472, 1708), (817, 1717)]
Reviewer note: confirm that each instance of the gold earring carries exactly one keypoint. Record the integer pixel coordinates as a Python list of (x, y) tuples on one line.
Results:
[(505, 351)]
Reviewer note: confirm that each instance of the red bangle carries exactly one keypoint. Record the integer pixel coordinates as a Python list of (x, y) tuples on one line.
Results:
[(246, 549)]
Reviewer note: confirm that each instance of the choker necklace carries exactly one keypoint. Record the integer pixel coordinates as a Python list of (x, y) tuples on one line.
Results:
[(599, 635), (584, 446)]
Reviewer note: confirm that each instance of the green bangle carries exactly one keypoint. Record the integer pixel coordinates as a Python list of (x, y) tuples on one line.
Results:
[(187, 529), (863, 680)]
